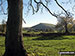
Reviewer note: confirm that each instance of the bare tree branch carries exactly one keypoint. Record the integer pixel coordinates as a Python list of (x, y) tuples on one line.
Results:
[(73, 8), (46, 8), (61, 7), (24, 21), (2, 9), (32, 6)]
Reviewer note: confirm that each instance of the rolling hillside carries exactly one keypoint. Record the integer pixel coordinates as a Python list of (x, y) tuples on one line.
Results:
[(43, 26)]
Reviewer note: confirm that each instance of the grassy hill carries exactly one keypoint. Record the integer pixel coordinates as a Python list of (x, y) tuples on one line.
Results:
[(44, 47), (44, 26)]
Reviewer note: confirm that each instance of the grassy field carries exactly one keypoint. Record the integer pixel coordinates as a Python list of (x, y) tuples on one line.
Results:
[(41, 47)]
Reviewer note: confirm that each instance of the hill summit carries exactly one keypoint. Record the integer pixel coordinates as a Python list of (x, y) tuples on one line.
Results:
[(44, 26)]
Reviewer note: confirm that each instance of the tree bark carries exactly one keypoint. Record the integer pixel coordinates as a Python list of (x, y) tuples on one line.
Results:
[(13, 40)]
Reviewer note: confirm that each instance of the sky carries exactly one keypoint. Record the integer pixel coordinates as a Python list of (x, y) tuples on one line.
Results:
[(39, 17)]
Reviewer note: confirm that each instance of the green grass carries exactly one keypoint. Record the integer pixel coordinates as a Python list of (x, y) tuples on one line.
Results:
[(2, 45), (45, 47)]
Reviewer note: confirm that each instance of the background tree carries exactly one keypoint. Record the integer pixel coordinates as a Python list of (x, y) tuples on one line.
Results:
[(3, 26), (72, 27), (63, 23)]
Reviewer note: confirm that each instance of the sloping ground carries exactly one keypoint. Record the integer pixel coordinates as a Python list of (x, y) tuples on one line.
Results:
[(44, 26)]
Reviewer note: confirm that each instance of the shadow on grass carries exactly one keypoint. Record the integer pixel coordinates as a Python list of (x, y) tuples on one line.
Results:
[(53, 37), (1, 45)]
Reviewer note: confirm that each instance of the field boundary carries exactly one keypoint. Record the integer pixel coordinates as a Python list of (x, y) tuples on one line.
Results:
[(42, 34)]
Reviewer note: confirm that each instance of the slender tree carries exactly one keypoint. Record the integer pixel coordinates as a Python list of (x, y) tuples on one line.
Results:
[(13, 41), (63, 23), (3, 26)]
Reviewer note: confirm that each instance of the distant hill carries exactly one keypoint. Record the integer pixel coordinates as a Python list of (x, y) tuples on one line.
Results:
[(43, 26), (26, 28)]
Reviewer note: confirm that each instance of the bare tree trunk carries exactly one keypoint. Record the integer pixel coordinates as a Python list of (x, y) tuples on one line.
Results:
[(66, 29), (13, 40)]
